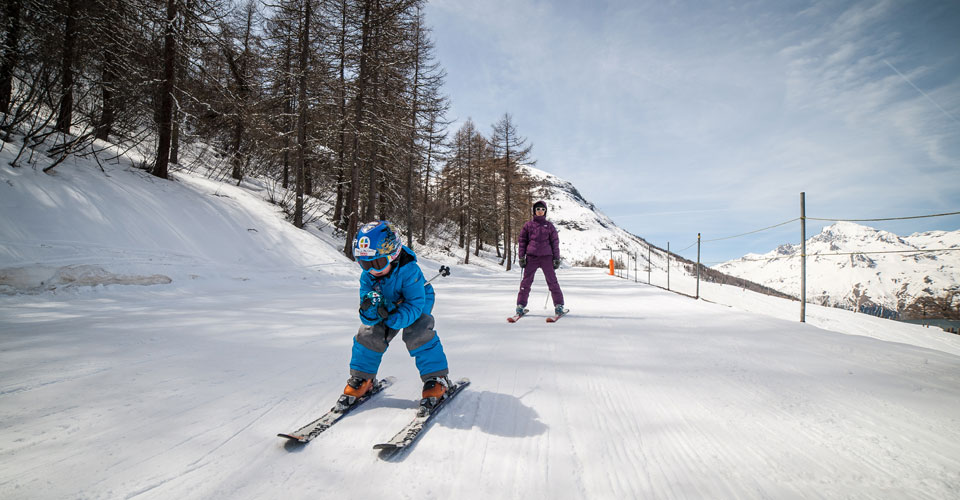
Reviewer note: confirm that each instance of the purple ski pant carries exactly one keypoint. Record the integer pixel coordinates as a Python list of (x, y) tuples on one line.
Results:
[(535, 262)]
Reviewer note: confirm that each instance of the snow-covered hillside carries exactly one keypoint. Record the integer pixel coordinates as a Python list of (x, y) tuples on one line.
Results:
[(587, 237), (127, 223), (584, 230), (115, 387), (886, 273)]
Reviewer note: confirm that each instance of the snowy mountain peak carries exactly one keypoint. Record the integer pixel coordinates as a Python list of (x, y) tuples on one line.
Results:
[(585, 232), (788, 249), (854, 266), (845, 234), (549, 180)]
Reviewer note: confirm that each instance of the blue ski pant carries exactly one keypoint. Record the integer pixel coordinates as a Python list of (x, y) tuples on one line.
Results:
[(421, 340)]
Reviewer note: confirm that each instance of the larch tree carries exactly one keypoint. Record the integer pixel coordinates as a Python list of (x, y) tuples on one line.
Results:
[(510, 150)]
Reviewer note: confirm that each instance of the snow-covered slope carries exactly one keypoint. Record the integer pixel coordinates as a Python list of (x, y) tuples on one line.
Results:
[(873, 267), (584, 231), (78, 224), (178, 389)]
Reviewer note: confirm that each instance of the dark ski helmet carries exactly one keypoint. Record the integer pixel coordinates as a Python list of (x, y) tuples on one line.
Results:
[(376, 245), (540, 203)]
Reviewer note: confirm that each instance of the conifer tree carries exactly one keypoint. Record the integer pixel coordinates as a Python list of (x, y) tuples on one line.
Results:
[(510, 150)]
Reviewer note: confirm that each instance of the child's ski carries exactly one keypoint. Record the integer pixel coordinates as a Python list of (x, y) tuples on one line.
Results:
[(412, 431), (313, 429)]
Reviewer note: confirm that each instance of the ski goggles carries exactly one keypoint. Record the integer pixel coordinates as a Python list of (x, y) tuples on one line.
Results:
[(378, 264)]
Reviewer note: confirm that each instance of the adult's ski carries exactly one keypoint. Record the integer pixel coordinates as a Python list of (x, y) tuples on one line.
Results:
[(425, 413), (515, 318), (306, 433), (554, 319)]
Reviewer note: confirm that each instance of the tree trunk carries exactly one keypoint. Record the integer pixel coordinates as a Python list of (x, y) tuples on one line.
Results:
[(166, 96), (460, 201), (354, 195), (243, 94), (476, 251), (507, 230), (426, 187), (179, 72), (413, 131), (308, 168), (373, 193), (287, 111), (110, 74), (11, 55), (471, 206), (65, 117), (237, 142), (175, 136), (338, 217), (302, 120)]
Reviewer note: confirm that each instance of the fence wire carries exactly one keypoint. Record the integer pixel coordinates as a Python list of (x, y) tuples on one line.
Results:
[(827, 219), (838, 254), (913, 252), (884, 219)]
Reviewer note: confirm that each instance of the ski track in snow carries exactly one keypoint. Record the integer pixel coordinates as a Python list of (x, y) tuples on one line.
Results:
[(179, 390), (658, 397)]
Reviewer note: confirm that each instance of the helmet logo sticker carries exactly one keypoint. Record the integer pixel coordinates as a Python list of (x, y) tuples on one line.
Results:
[(363, 247)]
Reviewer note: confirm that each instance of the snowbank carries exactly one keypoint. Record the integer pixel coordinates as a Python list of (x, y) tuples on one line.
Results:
[(37, 279)]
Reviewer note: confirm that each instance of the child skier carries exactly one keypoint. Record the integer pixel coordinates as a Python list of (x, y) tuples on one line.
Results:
[(393, 298), (539, 248)]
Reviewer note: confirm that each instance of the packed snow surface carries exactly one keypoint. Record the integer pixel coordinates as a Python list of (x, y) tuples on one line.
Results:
[(119, 388)]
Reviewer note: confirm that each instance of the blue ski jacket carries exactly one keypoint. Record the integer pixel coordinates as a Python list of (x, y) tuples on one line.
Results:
[(403, 291)]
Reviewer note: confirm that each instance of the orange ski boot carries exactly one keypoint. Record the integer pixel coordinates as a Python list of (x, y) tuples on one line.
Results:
[(356, 388), (434, 389)]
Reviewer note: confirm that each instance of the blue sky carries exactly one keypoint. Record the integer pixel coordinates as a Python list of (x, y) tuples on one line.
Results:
[(679, 117)]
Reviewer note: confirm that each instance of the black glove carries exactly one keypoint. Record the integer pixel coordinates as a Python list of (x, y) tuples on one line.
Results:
[(372, 308), (523, 262), (556, 263)]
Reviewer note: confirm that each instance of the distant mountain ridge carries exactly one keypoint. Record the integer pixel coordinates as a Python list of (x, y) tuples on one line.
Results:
[(585, 232), (858, 267)]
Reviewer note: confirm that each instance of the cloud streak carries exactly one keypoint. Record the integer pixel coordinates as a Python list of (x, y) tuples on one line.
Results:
[(924, 94), (677, 108)]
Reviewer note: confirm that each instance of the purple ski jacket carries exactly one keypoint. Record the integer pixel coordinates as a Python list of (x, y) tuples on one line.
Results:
[(538, 237)]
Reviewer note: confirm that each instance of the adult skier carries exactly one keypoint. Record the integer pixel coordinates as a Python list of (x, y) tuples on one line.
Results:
[(539, 248), (393, 298)]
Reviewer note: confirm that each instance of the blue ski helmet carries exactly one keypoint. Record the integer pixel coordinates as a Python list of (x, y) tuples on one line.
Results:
[(377, 244)]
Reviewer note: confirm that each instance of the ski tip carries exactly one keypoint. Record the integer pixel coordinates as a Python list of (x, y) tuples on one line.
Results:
[(553, 319), (515, 318), (387, 446), (293, 437)]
